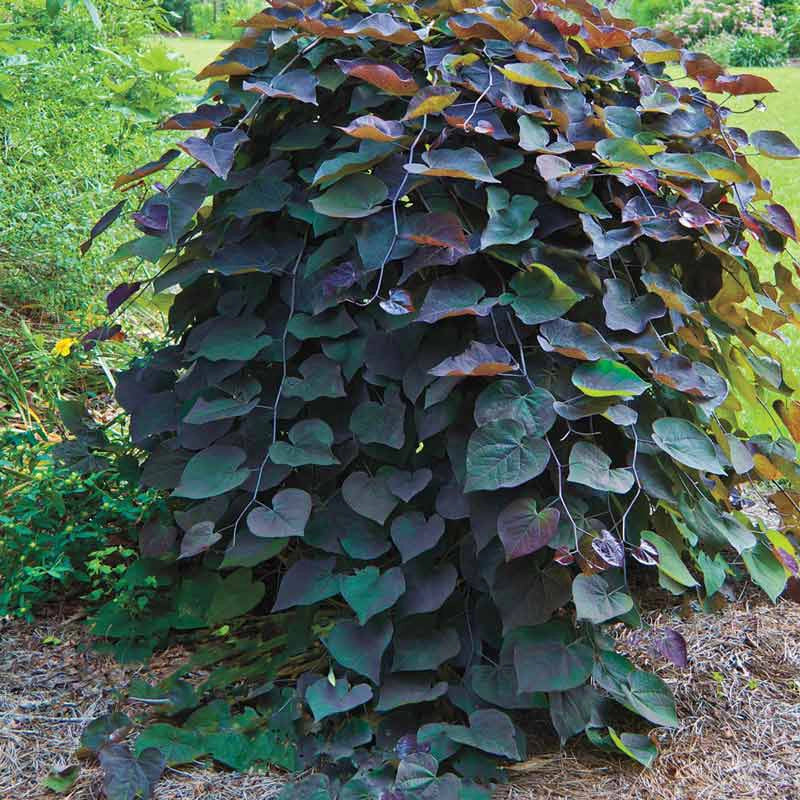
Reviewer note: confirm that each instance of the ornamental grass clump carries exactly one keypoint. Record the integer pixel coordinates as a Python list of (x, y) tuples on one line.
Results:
[(464, 315)]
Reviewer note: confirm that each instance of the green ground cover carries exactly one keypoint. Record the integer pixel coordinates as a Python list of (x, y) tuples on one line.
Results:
[(196, 52)]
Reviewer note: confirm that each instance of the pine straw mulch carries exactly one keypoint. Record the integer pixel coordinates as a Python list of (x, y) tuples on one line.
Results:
[(739, 705)]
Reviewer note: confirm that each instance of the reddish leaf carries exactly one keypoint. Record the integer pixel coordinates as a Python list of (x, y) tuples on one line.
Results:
[(374, 128), (737, 84), (564, 557), (118, 296), (102, 224), (204, 116), (218, 153), (298, 84), (147, 169), (609, 548), (478, 359), (672, 646), (780, 219), (398, 303), (646, 553), (388, 77), (386, 28), (701, 66), (438, 229)]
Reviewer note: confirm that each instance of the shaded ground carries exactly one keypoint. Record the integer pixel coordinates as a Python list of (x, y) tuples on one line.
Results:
[(739, 704)]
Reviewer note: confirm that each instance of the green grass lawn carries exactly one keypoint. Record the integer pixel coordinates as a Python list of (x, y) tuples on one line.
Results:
[(783, 114), (198, 52)]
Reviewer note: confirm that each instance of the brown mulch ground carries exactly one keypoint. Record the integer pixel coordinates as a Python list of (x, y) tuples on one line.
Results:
[(739, 704)]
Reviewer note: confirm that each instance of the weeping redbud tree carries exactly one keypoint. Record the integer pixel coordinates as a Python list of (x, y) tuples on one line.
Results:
[(464, 315)]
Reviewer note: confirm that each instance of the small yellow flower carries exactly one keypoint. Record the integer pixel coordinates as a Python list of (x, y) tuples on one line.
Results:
[(63, 347)]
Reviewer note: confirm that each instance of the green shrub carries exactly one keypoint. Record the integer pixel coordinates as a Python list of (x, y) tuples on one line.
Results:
[(649, 12), (699, 19), (460, 335), (80, 105), (65, 531), (179, 14), (750, 50), (718, 47), (787, 21), (224, 23)]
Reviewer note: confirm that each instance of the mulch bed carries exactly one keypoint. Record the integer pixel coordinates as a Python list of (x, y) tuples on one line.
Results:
[(739, 705)]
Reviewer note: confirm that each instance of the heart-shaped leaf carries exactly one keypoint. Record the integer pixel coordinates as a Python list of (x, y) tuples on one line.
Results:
[(413, 534), (523, 529), (212, 472), (309, 443), (306, 582), (596, 601), (368, 591), (360, 647), (687, 444), (502, 454), (217, 151), (288, 516), (325, 699), (369, 496), (407, 485), (590, 466), (513, 399)]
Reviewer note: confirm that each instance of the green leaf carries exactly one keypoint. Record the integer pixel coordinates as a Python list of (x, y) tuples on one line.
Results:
[(381, 423), (212, 472), (590, 466), (222, 338), (368, 155), (309, 443), (421, 649), (540, 295), (532, 135), (353, 197), (551, 666), (534, 73), (177, 745), (325, 699), (669, 561), (635, 746), (765, 570), (321, 378), (606, 378), (236, 595), (61, 780), (623, 153), (502, 454), (288, 516), (509, 218), (408, 689), (491, 731), (360, 647), (513, 399), (465, 163), (368, 591), (687, 444), (596, 601)]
